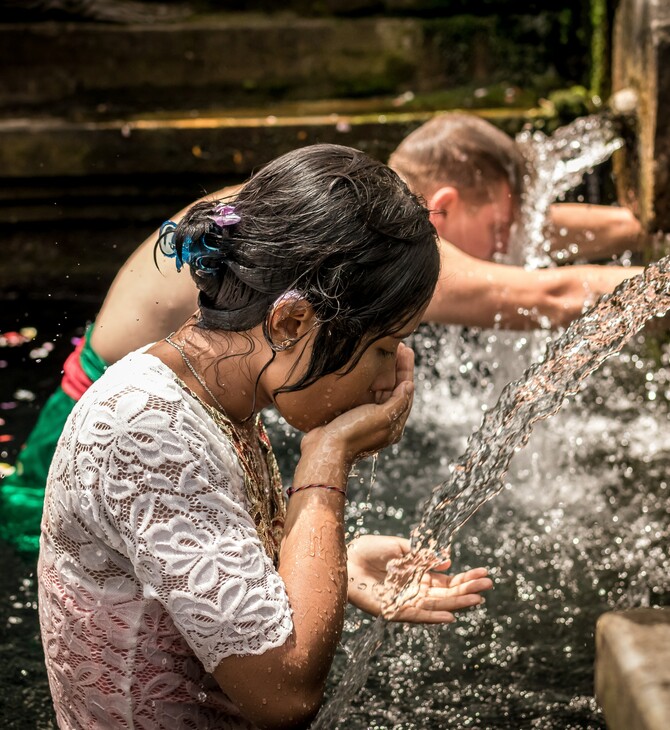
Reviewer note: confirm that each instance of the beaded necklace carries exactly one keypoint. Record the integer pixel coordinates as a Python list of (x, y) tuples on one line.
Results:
[(180, 349), (262, 480)]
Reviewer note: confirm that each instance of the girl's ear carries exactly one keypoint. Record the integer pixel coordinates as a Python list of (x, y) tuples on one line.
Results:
[(289, 320), (440, 203)]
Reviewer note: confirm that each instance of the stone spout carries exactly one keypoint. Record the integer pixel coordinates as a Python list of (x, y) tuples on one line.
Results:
[(624, 103), (641, 85)]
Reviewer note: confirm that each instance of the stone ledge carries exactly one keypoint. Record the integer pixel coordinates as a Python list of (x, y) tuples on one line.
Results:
[(632, 673), (187, 63), (220, 145), (227, 60)]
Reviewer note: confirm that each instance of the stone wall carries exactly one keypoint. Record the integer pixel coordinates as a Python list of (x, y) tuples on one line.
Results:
[(641, 57), (114, 114)]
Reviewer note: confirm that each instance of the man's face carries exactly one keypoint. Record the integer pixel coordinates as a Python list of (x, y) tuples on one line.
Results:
[(481, 229)]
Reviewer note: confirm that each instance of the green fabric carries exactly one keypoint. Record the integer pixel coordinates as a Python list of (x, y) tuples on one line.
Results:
[(22, 493), (91, 363)]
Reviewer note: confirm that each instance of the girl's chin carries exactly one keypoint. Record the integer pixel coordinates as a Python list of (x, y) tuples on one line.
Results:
[(309, 424), (302, 424)]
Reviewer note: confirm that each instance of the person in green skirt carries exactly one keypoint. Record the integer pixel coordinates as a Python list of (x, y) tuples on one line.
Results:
[(22, 492)]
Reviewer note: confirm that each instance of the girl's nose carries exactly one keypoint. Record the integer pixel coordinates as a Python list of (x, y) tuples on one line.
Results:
[(386, 379)]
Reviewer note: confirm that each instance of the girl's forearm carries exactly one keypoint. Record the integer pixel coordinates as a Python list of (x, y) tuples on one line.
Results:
[(313, 565), (288, 682), (313, 561)]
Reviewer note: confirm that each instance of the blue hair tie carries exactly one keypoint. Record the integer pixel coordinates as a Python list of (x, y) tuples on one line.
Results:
[(191, 254), (195, 254), (167, 245)]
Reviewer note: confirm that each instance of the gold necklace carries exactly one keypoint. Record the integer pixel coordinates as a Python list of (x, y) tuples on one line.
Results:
[(189, 365), (265, 499), (264, 490)]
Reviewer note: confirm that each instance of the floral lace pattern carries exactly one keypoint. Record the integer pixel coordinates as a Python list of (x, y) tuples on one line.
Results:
[(151, 569)]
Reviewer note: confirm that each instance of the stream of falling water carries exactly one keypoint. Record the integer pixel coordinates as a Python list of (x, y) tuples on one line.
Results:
[(478, 475), (559, 164)]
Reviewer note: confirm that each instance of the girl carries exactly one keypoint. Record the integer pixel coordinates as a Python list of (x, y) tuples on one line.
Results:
[(176, 590)]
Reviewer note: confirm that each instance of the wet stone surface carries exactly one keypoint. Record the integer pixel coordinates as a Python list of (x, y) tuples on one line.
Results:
[(633, 668)]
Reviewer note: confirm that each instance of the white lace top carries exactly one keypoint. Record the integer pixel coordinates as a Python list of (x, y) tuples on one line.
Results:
[(151, 570)]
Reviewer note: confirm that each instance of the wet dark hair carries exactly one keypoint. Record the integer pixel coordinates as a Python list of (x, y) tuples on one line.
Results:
[(332, 223), (462, 150)]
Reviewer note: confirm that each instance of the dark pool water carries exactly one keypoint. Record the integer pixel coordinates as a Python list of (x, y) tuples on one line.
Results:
[(581, 528)]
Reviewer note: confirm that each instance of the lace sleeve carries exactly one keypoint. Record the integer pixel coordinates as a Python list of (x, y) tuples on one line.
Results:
[(160, 484)]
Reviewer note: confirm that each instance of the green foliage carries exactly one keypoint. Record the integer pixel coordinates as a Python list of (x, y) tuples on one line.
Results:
[(573, 102), (599, 45)]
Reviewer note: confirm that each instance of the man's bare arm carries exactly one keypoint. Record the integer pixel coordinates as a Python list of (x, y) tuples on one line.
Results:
[(592, 232), (145, 302), (479, 293)]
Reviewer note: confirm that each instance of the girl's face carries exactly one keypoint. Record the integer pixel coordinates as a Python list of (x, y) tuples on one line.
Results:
[(336, 393)]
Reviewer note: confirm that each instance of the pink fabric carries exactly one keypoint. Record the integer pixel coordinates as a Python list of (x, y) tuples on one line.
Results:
[(75, 381), (151, 567)]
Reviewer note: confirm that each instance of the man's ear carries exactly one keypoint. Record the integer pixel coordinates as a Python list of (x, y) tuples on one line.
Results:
[(290, 319), (440, 203)]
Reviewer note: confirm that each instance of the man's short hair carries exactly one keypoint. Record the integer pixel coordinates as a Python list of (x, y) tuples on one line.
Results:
[(461, 150)]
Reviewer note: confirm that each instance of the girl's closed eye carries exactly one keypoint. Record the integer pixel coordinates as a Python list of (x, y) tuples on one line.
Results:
[(388, 353)]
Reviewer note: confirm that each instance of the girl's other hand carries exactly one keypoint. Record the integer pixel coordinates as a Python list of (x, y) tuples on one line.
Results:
[(369, 428), (439, 594), (404, 372)]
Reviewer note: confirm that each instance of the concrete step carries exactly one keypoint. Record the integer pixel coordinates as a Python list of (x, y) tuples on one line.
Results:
[(221, 144), (226, 60)]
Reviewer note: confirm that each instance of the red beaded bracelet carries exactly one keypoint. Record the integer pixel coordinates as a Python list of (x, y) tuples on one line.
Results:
[(292, 490)]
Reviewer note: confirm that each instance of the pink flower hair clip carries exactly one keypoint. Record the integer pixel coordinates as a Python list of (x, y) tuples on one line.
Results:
[(225, 215)]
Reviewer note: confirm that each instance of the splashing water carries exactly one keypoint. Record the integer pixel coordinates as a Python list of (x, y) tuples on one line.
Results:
[(478, 475), (558, 164), (538, 394)]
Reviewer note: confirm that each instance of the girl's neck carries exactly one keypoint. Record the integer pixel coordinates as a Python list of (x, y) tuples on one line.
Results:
[(222, 368)]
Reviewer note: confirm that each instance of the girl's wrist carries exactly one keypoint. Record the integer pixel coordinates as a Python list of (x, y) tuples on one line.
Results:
[(322, 461), (328, 487), (319, 473)]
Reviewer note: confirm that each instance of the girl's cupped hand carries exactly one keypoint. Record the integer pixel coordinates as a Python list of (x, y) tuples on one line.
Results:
[(438, 594), (368, 428)]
